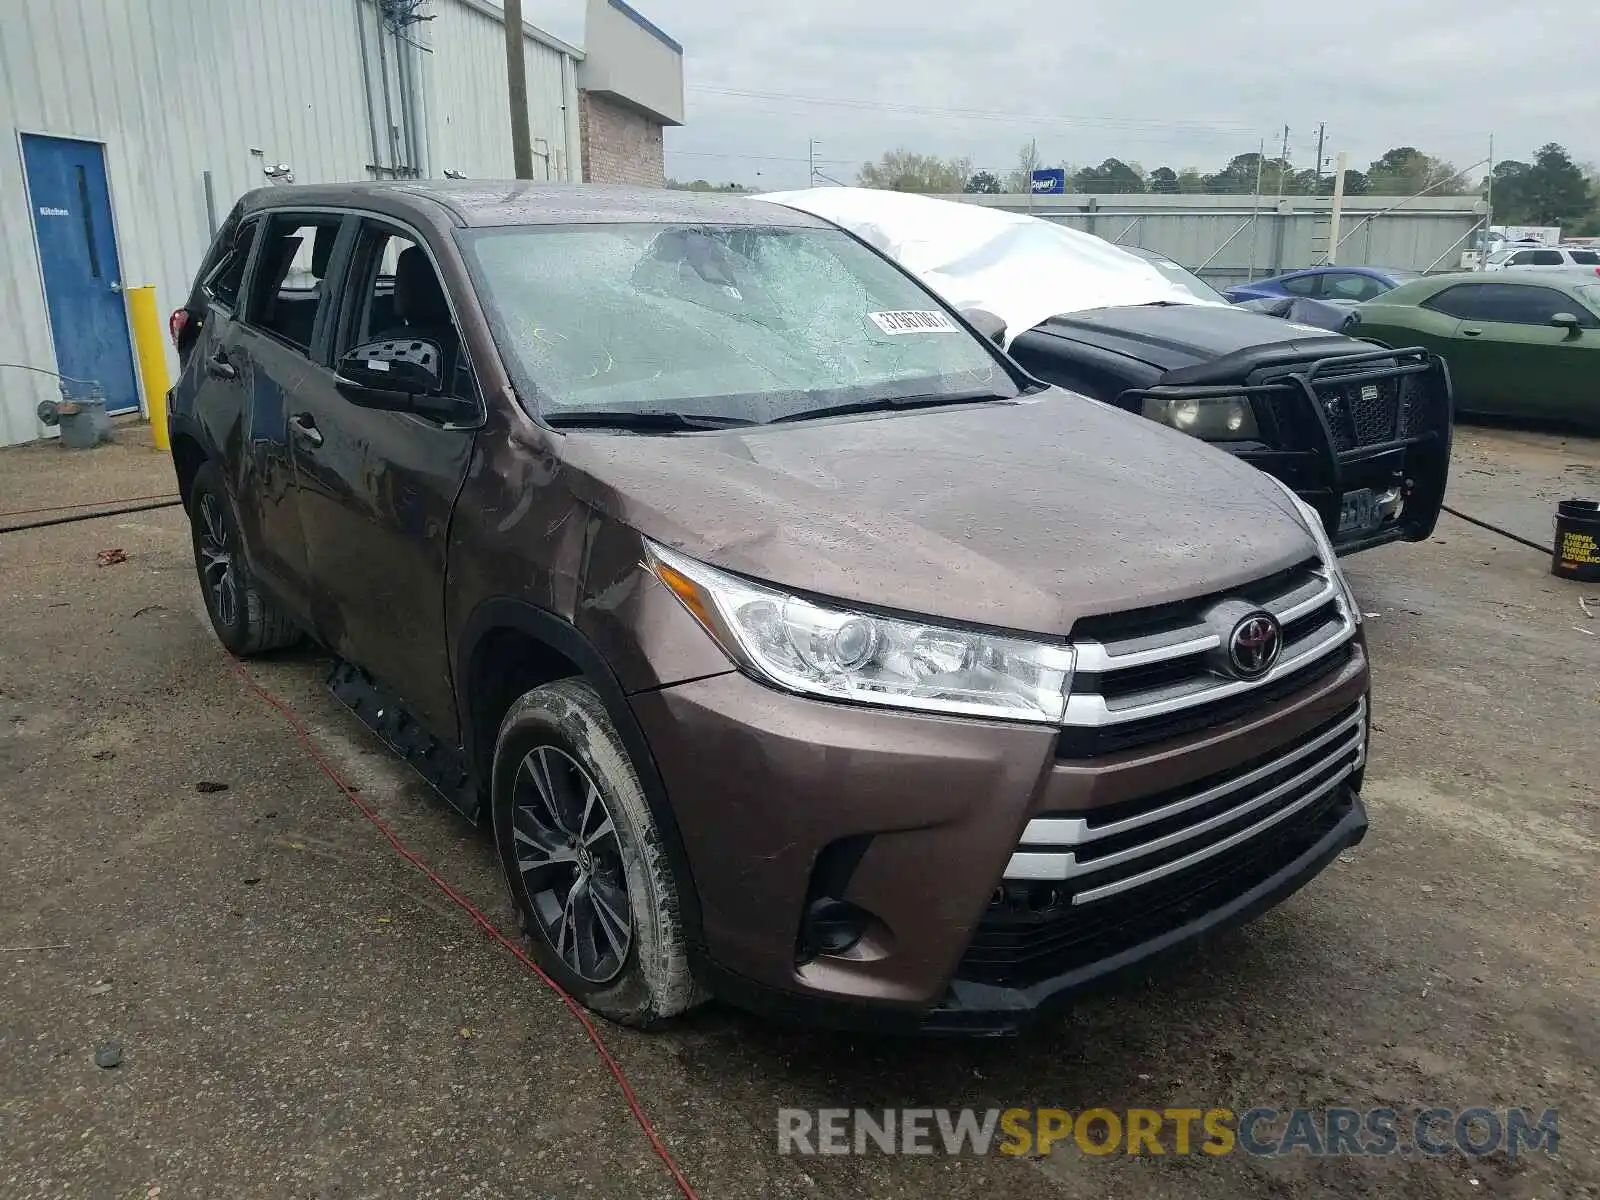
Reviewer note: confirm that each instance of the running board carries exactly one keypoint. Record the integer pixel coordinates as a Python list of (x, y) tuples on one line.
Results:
[(380, 710)]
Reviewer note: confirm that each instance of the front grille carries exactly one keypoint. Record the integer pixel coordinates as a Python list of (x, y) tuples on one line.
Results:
[(1371, 412), (1080, 888), (1155, 674)]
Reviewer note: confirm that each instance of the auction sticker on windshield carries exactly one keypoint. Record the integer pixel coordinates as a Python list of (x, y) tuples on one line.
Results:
[(914, 321)]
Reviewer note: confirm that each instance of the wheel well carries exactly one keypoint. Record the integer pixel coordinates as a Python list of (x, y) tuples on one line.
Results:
[(188, 456), (505, 664)]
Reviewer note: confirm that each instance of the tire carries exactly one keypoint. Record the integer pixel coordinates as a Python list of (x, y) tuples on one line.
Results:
[(246, 620), (577, 842)]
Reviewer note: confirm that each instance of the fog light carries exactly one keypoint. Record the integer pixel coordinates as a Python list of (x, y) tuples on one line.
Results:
[(833, 926)]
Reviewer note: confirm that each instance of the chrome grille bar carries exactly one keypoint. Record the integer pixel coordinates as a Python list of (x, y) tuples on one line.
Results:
[(1076, 831), (1091, 708), (1099, 657), (1227, 843), (1063, 866)]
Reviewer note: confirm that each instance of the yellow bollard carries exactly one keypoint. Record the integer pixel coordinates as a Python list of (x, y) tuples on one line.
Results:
[(146, 321)]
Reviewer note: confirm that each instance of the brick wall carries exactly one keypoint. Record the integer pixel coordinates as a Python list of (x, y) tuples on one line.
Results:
[(619, 144)]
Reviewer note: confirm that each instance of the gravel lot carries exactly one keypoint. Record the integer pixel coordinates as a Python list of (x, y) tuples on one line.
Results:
[(302, 1014)]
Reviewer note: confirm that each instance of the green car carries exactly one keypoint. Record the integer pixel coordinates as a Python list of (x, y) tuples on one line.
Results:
[(1518, 343)]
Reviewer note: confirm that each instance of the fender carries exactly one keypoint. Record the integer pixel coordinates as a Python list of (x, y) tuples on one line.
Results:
[(505, 612)]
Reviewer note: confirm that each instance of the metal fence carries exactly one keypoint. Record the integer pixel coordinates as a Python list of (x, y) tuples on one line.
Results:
[(1228, 239)]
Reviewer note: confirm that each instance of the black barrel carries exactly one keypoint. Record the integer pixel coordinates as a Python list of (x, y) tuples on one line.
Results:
[(1577, 553)]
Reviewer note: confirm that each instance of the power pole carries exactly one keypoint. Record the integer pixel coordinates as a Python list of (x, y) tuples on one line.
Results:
[(811, 158), (1283, 162), (1488, 213), (1322, 129), (1255, 211), (1337, 211), (517, 92)]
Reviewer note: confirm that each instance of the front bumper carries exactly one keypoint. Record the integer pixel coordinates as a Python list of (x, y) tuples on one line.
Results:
[(975, 1009), (915, 819)]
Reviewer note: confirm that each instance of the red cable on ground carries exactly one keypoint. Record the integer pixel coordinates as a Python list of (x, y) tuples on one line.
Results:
[(24, 512), (484, 923)]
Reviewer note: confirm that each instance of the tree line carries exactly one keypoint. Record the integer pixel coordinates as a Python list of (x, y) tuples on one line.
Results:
[(1548, 189)]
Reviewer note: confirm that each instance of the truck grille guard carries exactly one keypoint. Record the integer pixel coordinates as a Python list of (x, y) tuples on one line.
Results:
[(1312, 425)]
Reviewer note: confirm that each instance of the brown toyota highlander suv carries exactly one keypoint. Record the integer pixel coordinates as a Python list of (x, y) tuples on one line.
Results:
[(796, 645)]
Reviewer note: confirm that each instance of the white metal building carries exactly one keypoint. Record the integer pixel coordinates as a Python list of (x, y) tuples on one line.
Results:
[(134, 124)]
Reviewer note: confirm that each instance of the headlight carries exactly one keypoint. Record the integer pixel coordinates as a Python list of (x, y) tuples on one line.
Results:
[(1330, 559), (1213, 418), (820, 650)]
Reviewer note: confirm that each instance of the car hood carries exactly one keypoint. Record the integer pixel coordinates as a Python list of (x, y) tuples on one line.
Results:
[(1022, 515), (1173, 337)]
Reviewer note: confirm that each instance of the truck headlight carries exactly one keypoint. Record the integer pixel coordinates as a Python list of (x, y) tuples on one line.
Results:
[(833, 652), (1211, 418)]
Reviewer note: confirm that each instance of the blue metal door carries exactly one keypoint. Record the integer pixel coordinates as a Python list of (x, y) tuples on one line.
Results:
[(78, 257)]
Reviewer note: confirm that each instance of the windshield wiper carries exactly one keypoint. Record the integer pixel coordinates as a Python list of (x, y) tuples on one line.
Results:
[(888, 403), (646, 422)]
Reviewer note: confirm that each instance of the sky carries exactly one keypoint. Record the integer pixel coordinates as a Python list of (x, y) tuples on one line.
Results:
[(1160, 82)]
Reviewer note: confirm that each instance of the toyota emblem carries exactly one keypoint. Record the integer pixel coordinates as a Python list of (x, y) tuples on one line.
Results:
[(1254, 645)]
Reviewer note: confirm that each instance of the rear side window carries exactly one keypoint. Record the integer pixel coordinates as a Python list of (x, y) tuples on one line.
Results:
[(226, 277), (286, 291), (1299, 285), (1460, 301), (1347, 285), (1585, 258)]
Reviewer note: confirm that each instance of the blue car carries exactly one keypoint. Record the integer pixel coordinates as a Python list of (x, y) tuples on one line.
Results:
[(1325, 283)]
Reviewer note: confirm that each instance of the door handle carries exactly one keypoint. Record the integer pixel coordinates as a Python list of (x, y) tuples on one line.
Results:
[(219, 367), (304, 427), (1470, 331)]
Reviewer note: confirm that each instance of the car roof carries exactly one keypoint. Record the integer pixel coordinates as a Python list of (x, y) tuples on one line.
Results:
[(1524, 277), (1431, 285), (1327, 268), (490, 203)]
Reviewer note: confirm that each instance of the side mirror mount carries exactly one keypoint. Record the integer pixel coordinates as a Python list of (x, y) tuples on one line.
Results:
[(409, 367), (398, 375), (986, 323), (1567, 321)]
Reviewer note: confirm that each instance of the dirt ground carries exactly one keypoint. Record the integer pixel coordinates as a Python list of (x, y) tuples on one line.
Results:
[(301, 1014)]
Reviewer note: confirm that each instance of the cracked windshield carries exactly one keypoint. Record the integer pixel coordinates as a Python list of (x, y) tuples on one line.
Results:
[(746, 323)]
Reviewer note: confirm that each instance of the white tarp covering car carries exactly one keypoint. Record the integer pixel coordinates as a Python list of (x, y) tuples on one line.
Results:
[(1022, 269)]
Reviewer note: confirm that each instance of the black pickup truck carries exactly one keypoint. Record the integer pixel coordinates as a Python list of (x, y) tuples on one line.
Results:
[(1361, 433)]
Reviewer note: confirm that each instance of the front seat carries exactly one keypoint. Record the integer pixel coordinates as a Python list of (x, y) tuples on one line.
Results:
[(421, 311)]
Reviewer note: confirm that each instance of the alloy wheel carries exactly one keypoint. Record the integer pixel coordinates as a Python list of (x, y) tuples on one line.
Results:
[(570, 862), (213, 545)]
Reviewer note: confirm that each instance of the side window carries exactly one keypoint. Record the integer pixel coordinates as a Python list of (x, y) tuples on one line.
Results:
[(1460, 301), (286, 289), (1585, 258), (226, 277), (1522, 258), (1347, 285), (1512, 305), (1300, 285), (1547, 258), (394, 292)]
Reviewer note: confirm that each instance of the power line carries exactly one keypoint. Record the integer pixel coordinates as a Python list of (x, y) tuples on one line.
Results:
[(739, 154), (1232, 127)]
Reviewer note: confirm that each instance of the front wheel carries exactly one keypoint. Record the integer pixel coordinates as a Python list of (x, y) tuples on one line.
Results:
[(584, 858)]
